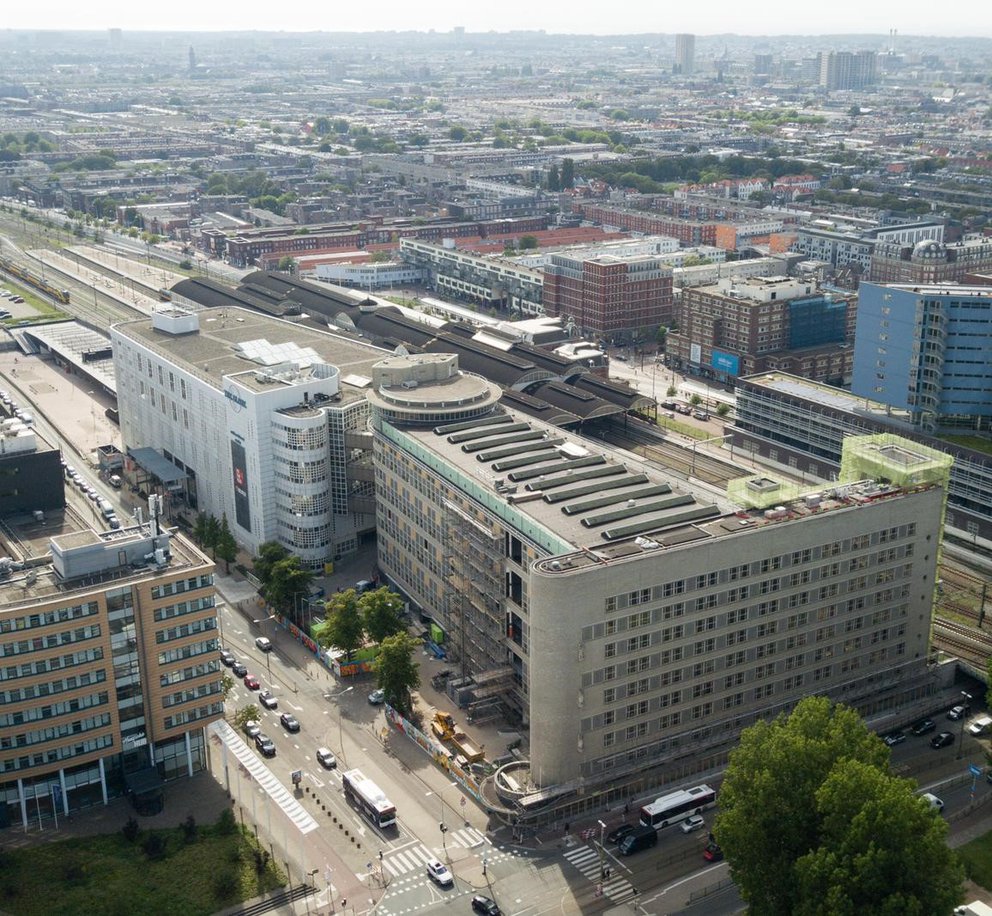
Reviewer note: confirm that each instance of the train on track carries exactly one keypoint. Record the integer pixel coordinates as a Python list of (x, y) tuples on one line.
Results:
[(33, 280)]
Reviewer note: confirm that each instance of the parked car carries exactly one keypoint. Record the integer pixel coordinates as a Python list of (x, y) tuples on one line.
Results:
[(691, 823), (251, 682), (981, 726), (239, 669), (957, 712), (263, 643), (227, 657), (267, 699), (363, 585), (485, 905), (936, 803), (924, 726), (439, 873), (289, 722), (700, 414), (713, 852), (944, 739), (894, 738), (252, 728), (377, 697), (265, 744), (615, 836), (326, 759)]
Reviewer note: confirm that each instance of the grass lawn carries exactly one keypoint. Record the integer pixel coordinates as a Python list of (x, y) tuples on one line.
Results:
[(978, 443), (110, 876), (977, 859)]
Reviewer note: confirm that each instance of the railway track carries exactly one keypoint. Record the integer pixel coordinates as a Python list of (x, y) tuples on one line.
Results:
[(688, 462), (970, 644)]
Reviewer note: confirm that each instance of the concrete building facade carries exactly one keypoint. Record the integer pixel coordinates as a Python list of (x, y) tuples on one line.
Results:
[(633, 622)]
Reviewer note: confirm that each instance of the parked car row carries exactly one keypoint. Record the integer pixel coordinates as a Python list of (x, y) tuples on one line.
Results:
[(104, 506)]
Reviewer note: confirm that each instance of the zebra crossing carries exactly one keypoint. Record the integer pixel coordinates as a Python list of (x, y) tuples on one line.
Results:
[(414, 858), (587, 860)]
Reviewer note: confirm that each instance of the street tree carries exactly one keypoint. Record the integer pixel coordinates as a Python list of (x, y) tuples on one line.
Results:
[(201, 529), (226, 685), (528, 242), (554, 179), (396, 672), (213, 533), (249, 713), (343, 627), (288, 580), (226, 547), (381, 612), (768, 817), (269, 553), (882, 849)]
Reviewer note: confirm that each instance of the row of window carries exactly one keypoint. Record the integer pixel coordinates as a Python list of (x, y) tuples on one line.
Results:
[(55, 663), (35, 691), (53, 640), (48, 618), (187, 674), (193, 715), (183, 607), (760, 567), (37, 713), (54, 732), (55, 754), (190, 651), (192, 693), (179, 586), (194, 627)]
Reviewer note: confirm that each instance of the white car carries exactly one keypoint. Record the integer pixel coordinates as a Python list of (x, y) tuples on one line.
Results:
[(263, 643), (695, 822), (252, 728), (326, 759), (439, 873)]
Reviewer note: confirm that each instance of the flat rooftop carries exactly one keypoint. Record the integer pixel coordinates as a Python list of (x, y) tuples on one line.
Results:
[(827, 395), (228, 336)]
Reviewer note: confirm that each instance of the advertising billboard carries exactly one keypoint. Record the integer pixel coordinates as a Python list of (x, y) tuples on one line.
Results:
[(695, 353), (242, 507), (726, 363)]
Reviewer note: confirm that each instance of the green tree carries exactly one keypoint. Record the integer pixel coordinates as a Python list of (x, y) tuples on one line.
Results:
[(396, 672), (768, 818), (457, 133), (269, 553), (201, 529), (660, 336), (382, 612), (287, 582), (225, 547), (213, 533), (722, 410), (226, 684), (671, 391), (567, 174), (249, 713), (342, 627), (695, 400), (528, 242), (882, 849), (554, 179), (287, 265)]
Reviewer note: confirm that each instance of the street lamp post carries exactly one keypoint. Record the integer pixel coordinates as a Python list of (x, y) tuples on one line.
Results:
[(602, 868), (337, 696), (966, 702)]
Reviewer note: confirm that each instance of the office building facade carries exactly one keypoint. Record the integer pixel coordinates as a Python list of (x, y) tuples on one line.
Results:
[(742, 326), (685, 54), (108, 667), (924, 349), (636, 625)]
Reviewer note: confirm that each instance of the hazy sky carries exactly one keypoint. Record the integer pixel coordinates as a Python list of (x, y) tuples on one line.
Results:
[(773, 17)]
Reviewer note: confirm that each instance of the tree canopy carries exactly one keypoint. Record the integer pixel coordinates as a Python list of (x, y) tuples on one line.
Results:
[(381, 610), (812, 822), (396, 672), (343, 626)]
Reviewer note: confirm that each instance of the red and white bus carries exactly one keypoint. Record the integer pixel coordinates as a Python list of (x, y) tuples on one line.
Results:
[(369, 798), (677, 805)]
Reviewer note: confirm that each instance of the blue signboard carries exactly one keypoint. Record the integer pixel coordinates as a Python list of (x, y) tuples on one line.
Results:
[(975, 771), (726, 363)]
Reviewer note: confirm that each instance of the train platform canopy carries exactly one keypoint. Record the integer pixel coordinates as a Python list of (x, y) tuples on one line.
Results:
[(86, 350), (159, 467)]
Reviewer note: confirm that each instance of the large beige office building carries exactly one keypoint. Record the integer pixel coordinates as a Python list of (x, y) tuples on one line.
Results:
[(633, 620), (109, 668)]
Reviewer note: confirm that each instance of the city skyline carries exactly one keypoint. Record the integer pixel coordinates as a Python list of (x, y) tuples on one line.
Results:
[(776, 19)]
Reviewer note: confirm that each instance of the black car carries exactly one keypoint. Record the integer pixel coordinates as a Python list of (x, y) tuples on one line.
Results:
[(924, 726), (615, 836), (266, 698), (239, 669), (265, 744), (894, 738), (227, 657), (289, 722), (485, 905), (944, 739)]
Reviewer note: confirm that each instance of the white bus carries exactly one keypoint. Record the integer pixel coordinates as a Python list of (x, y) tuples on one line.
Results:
[(677, 805), (369, 798)]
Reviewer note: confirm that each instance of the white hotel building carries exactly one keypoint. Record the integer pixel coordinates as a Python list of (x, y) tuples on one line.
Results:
[(263, 420)]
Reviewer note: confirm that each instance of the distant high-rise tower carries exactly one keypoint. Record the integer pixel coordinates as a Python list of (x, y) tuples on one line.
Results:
[(115, 38), (685, 52), (847, 69), (192, 60)]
